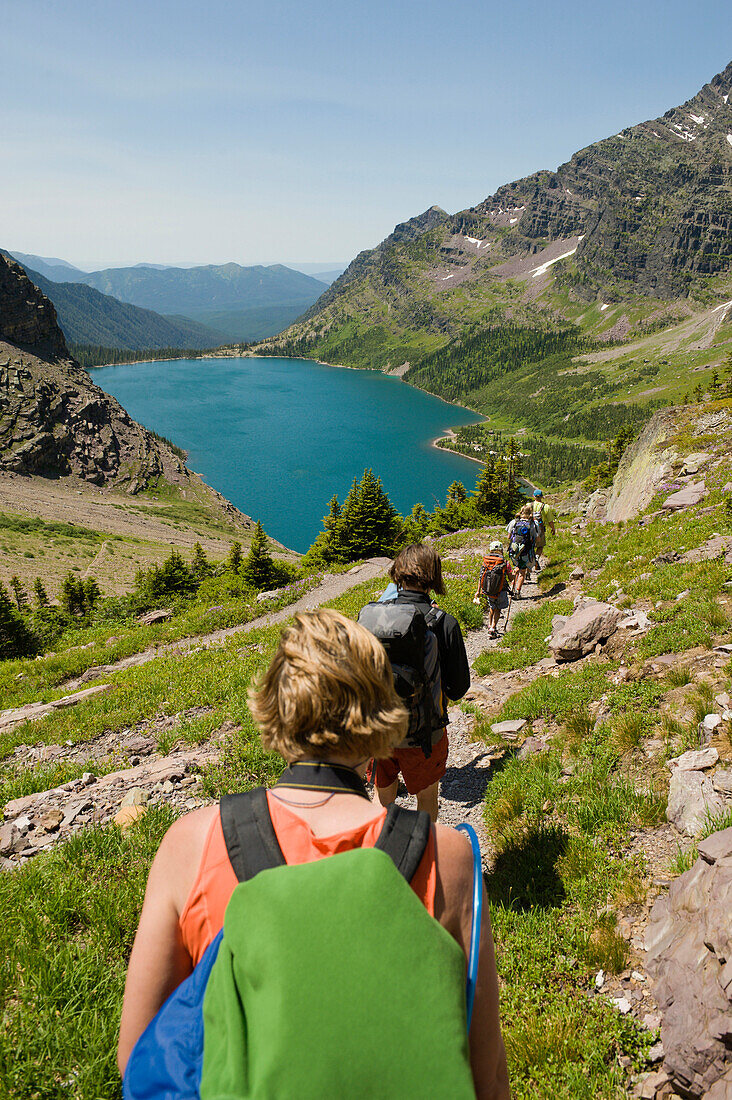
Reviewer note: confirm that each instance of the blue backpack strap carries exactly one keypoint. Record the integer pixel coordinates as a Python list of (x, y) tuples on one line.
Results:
[(474, 957)]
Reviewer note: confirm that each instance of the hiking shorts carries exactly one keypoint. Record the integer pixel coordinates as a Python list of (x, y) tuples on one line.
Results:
[(418, 771), (523, 561), (500, 603)]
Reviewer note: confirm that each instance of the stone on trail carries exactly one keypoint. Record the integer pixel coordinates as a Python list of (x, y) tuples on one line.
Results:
[(686, 497), (576, 573), (711, 721), (589, 625), (694, 760), (691, 800), (532, 746), (508, 729), (51, 820), (636, 619)]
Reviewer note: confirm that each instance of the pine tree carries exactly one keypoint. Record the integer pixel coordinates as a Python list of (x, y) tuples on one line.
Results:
[(40, 593), (258, 569), (487, 495), (235, 558), (456, 493), (368, 524), (16, 640), (72, 595), (200, 565), (20, 594), (92, 593)]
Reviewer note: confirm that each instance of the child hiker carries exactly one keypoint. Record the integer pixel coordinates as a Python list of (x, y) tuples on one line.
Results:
[(496, 578)]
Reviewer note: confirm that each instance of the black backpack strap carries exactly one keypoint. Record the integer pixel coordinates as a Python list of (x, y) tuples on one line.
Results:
[(251, 841), (404, 838)]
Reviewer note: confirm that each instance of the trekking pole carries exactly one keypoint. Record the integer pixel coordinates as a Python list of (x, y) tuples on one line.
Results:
[(510, 601)]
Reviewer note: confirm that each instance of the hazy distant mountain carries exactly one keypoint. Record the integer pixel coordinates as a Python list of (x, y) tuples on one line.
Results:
[(188, 290), (256, 323), (89, 317), (328, 277), (50, 266)]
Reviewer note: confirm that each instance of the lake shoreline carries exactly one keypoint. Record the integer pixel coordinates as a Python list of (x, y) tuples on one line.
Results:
[(300, 426)]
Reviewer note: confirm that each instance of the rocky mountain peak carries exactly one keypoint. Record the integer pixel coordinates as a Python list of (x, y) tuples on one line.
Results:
[(27, 318)]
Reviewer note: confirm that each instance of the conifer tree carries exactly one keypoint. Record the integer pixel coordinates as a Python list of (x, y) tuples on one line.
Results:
[(368, 524), (235, 558), (40, 593), (456, 493), (16, 640), (200, 565), (92, 593), (20, 594), (258, 569)]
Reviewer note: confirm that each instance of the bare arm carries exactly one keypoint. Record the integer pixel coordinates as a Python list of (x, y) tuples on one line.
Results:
[(454, 910), (159, 961)]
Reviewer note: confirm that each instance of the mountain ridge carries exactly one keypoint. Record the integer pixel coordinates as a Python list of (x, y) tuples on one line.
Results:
[(642, 219)]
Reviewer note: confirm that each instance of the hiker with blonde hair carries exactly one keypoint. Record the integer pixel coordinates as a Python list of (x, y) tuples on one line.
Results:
[(543, 517), (332, 965), (522, 536)]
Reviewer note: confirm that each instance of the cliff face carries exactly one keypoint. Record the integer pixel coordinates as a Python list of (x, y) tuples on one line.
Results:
[(53, 419)]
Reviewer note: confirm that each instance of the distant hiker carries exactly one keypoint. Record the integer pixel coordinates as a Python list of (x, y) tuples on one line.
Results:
[(430, 665), (522, 533), (496, 577), (332, 976), (542, 516)]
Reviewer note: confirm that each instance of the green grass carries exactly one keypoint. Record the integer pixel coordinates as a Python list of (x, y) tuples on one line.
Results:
[(69, 918), (29, 680), (524, 644), (558, 696)]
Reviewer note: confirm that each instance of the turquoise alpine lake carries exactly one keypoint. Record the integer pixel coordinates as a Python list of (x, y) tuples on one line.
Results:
[(278, 437)]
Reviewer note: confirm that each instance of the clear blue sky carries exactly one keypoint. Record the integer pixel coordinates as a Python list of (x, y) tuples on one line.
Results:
[(303, 130)]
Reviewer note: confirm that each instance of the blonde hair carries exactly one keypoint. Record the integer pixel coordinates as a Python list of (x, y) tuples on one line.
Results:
[(329, 687), (527, 510)]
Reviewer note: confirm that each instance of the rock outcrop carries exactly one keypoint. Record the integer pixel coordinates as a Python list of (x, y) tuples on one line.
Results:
[(689, 945), (53, 420), (644, 466), (590, 624)]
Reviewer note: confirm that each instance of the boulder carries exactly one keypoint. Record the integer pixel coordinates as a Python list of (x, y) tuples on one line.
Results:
[(636, 619), (694, 760), (589, 624), (691, 799), (686, 497), (689, 943), (694, 462), (158, 616), (722, 781)]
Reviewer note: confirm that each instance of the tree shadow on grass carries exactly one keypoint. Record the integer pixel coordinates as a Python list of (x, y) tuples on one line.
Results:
[(525, 875)]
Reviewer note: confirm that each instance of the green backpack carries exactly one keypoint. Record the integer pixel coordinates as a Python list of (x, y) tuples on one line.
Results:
[(332, 980)]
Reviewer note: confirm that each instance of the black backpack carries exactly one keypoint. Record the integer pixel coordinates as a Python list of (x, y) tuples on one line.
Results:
[(406, 633)]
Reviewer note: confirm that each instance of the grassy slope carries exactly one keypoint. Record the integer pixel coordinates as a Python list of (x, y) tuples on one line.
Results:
[(561, 823)]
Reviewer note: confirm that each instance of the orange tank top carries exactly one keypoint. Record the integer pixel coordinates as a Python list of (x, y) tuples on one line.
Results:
[(203, 914)]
